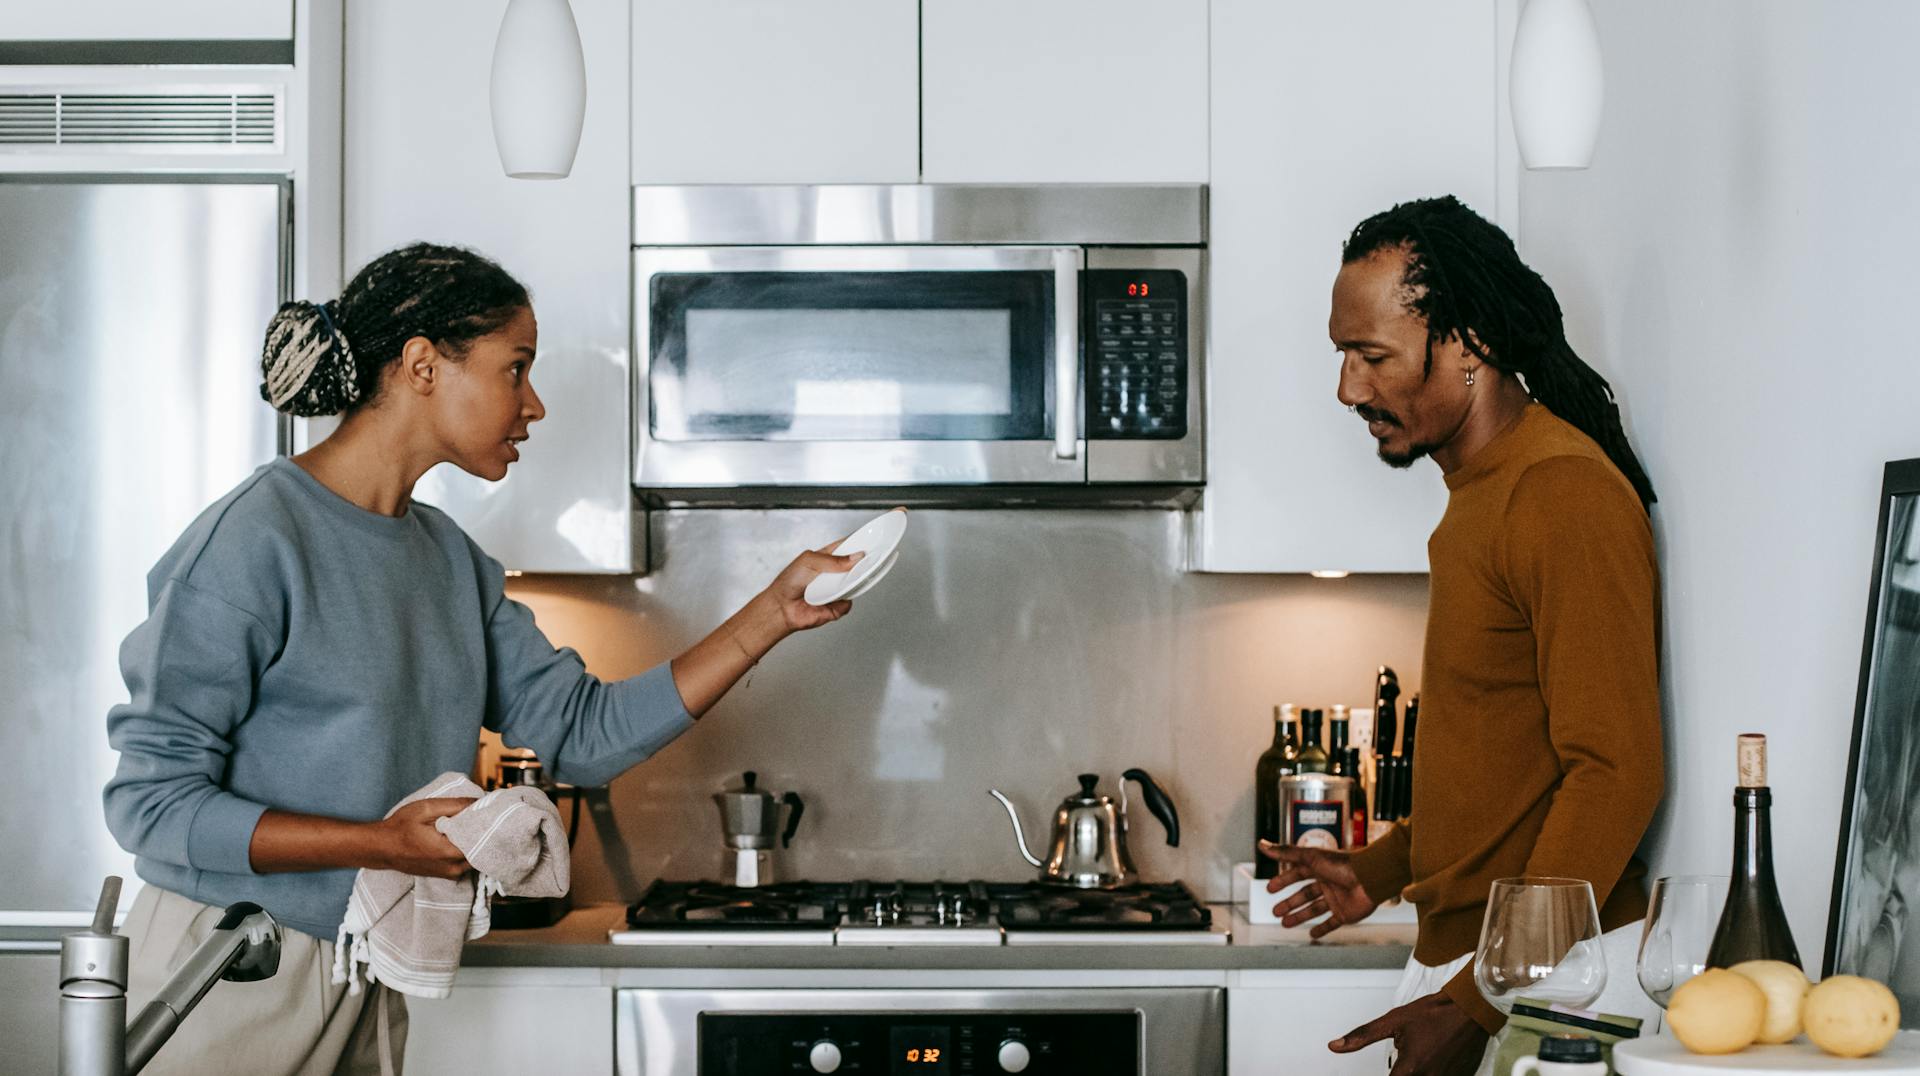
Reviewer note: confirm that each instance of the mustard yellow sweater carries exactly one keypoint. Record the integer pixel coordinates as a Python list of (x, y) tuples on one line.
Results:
[(1539, 749)]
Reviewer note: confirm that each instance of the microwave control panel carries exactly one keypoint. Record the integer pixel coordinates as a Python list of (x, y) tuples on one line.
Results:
[(920, 1044), (1136, 348)]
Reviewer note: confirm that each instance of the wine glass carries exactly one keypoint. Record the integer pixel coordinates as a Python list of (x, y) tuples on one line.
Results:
[(1682, 914), (1540, 939)]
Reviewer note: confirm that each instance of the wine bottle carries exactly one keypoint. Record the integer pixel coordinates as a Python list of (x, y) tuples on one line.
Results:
[(1313, 756), (1753, 926), (1337, 734), (1359, 837), (1277, 761)]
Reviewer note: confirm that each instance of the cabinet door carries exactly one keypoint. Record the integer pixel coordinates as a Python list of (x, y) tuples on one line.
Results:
[(1068, 91), (420, 164), (508, 1028), (772, 91), (1324, 114), (30, 1007), (1281, 1021)]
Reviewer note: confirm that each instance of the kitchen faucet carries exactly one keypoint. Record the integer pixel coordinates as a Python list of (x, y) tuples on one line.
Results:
[(95, 1039)]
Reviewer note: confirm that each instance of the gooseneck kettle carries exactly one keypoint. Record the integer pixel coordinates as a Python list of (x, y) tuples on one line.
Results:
[(1088, 848)]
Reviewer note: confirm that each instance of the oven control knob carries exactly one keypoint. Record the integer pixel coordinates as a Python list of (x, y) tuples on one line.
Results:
[(1014, 1056), (824, 1057)]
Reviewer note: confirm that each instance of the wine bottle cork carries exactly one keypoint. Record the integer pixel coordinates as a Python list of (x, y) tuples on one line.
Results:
[(1753, 760)]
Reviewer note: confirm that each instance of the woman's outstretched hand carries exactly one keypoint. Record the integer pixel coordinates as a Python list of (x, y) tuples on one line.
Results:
[(788, 589), (711, 667)]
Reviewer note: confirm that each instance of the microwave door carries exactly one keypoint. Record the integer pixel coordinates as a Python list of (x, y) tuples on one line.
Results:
[(830, 368)]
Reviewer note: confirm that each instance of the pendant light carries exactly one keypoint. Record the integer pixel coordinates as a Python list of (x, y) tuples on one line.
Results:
[(1556, 86), (539, 89)]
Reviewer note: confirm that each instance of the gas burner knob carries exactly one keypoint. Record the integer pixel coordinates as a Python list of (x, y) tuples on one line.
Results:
[(1014, 1056), (825, 1057)]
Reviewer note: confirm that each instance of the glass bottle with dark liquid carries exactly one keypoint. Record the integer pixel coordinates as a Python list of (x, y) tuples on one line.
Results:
[(1277, 761), (1753, 925), (1313, 756)]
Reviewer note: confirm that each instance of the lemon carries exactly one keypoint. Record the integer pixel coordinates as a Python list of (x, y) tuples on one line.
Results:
[(1717, 1012), (1851, 1017), (1785, 987)]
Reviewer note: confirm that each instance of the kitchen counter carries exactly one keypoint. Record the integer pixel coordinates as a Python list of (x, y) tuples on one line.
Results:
[(580, 941)]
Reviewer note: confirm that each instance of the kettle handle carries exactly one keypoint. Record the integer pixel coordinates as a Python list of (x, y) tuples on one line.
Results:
[(1157, 802), (791, 799)]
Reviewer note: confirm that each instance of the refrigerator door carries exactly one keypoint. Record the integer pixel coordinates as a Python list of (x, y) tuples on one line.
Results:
[(132, 311)]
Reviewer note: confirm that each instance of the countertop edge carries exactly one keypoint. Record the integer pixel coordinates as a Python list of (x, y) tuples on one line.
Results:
[(580, 941)]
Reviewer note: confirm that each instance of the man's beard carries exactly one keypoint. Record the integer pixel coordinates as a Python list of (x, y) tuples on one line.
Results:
[(1400, 461), (1413, 454)]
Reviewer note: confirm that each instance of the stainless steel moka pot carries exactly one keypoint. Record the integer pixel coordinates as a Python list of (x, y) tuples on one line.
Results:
[(1089, 844), (750, 818)]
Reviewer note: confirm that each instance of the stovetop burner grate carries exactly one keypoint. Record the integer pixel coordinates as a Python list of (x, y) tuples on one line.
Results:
[(825, 905)]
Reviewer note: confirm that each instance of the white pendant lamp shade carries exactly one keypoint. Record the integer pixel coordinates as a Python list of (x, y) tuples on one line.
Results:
[(1556, 84), (539, 89)]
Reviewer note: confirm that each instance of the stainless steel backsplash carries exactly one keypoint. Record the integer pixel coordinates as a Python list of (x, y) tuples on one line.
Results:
[(1007, 649)]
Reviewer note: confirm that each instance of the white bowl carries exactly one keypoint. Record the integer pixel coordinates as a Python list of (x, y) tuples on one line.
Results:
[(879, 539)]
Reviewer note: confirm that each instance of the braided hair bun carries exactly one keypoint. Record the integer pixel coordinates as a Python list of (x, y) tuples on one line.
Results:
[(451, 296), (307, 364)]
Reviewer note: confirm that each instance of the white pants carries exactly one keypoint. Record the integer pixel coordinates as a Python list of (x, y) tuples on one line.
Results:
[(1622, 997)]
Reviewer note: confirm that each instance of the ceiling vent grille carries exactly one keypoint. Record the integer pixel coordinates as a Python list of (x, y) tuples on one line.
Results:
[(187, 121)]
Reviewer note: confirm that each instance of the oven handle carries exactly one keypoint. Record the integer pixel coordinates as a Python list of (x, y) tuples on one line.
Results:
[(1066, 352)]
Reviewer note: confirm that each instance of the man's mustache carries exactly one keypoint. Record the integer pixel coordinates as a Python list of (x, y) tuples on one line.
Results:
[(1374, 414)]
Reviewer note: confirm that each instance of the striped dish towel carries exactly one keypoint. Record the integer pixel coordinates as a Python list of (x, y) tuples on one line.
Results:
[(407, 932)]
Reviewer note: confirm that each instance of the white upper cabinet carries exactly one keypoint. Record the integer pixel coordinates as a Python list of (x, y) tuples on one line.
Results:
[(775, 91), (420, 164), (148, 20), (1066, 91), (1324, 114)]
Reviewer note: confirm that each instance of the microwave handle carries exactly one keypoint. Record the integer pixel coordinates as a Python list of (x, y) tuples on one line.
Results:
[(1066, 353)]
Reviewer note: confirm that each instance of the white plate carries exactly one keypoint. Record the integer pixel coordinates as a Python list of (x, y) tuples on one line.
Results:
[(1662, 1055), (873, 576), (879, 539)]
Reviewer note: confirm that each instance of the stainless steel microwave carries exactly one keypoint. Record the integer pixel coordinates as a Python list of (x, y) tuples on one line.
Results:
[(919, 344)]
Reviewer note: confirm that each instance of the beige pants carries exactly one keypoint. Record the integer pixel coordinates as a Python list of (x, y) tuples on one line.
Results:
[(297, 1023), (1622, 996)]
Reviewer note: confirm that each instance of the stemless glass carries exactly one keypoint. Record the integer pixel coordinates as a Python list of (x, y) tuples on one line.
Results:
[(1540, 939), (1682, 914)]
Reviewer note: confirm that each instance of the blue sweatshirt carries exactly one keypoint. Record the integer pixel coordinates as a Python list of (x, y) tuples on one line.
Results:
[(305, 654)]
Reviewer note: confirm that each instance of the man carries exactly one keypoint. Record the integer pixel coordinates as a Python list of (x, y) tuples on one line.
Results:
[(1540, 752)]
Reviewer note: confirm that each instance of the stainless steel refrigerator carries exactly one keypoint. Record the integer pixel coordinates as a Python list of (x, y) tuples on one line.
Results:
[(132, 310)]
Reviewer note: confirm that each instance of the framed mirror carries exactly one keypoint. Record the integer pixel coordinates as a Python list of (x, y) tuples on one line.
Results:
[(1871, 929)]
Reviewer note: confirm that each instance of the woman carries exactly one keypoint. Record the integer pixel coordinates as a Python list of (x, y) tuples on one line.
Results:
[(319, 646)]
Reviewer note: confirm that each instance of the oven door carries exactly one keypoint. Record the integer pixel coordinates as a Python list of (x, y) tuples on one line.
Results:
[(1042, 1031), (836, 367)]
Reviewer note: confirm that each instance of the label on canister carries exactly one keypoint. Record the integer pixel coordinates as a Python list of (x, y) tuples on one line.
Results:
[(1316, 810)]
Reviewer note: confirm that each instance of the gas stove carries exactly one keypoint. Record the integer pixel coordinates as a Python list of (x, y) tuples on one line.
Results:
[(915, 913)]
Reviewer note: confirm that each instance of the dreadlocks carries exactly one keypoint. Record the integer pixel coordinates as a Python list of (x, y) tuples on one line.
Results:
[(1466, 280)]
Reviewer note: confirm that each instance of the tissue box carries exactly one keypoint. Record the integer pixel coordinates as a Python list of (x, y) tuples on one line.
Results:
[(1252, 892)]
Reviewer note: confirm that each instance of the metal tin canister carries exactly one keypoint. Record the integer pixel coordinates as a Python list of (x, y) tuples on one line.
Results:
[(1316, 810)]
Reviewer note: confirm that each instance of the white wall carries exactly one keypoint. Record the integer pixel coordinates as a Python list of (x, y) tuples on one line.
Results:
[(1742, 261)]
